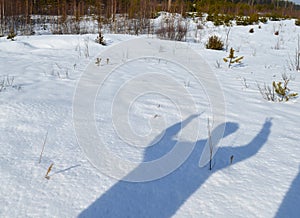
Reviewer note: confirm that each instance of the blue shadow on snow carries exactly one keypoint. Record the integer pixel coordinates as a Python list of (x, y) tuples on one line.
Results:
[(290, 206), (163, 197)]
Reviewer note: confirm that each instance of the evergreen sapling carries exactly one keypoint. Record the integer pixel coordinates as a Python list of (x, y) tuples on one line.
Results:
[(232, 59), (282, 90)]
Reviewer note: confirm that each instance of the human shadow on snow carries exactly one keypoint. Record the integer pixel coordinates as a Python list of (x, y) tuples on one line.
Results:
[(290, 206), (163, 197)]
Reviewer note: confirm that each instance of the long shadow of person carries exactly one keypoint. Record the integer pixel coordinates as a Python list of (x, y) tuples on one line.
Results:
[(290, 204), (163, 197)]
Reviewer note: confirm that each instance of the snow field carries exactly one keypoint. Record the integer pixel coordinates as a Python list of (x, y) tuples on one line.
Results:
[(257, 186)]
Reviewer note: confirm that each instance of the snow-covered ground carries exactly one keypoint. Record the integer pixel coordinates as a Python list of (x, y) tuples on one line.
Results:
[(41, 74)]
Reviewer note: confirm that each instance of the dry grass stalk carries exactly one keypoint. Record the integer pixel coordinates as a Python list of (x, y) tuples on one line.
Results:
[(43, 147), (48, 171)]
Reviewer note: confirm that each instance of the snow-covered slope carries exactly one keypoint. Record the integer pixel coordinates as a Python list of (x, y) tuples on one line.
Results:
[(262, 181)]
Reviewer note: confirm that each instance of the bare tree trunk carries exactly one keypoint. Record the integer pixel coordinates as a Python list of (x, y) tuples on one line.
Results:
[(113, 9), (26, 11), (30, 11), (27, 24), (99, 14), (181, 7), (169, 5), (75, 10), (12, 18), (64, 10), (1, 18), (59, 30)]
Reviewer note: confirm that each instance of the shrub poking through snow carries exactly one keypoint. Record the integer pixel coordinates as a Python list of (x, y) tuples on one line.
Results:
[(11, 35), (100, 39), (98, 61), (172, 29), (8, 82), (247, 20), (215, 42), (282, 91), (279, 91), (231, 59), (263, 20), (267, 92), (218, 20)]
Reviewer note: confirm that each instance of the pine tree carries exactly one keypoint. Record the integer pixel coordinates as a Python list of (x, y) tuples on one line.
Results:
[(282, 90), (231, 59)]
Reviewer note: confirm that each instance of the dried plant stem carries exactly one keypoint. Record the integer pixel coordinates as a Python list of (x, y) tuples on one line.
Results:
[(231, 159), (48, 171), (43, 147), (210, 145)]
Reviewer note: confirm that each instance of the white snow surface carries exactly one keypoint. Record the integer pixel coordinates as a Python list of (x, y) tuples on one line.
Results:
[(262, 181)]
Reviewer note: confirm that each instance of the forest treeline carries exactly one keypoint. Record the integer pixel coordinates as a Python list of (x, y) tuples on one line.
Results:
[(22, 15)]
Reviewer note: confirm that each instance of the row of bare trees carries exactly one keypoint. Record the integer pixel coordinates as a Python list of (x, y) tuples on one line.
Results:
[(20, 15), (67, 16)]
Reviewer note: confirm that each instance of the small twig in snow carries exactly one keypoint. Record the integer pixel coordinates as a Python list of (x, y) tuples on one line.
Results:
[(43, 147)]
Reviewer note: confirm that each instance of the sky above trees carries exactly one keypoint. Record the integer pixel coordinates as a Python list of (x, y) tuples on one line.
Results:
[(296, 1)]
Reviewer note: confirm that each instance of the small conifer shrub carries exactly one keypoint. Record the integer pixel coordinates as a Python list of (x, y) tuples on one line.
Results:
[(215, 43), (210, 17), (11, 35), (218, 20), (263, 19), (253, 19), (279, 91), (282, 91), (100, 39), (247, 20), (275, 17), (232, 59), (297, 22)]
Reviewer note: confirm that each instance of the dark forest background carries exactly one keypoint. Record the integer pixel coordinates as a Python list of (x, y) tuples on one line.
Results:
[(66, 16)]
